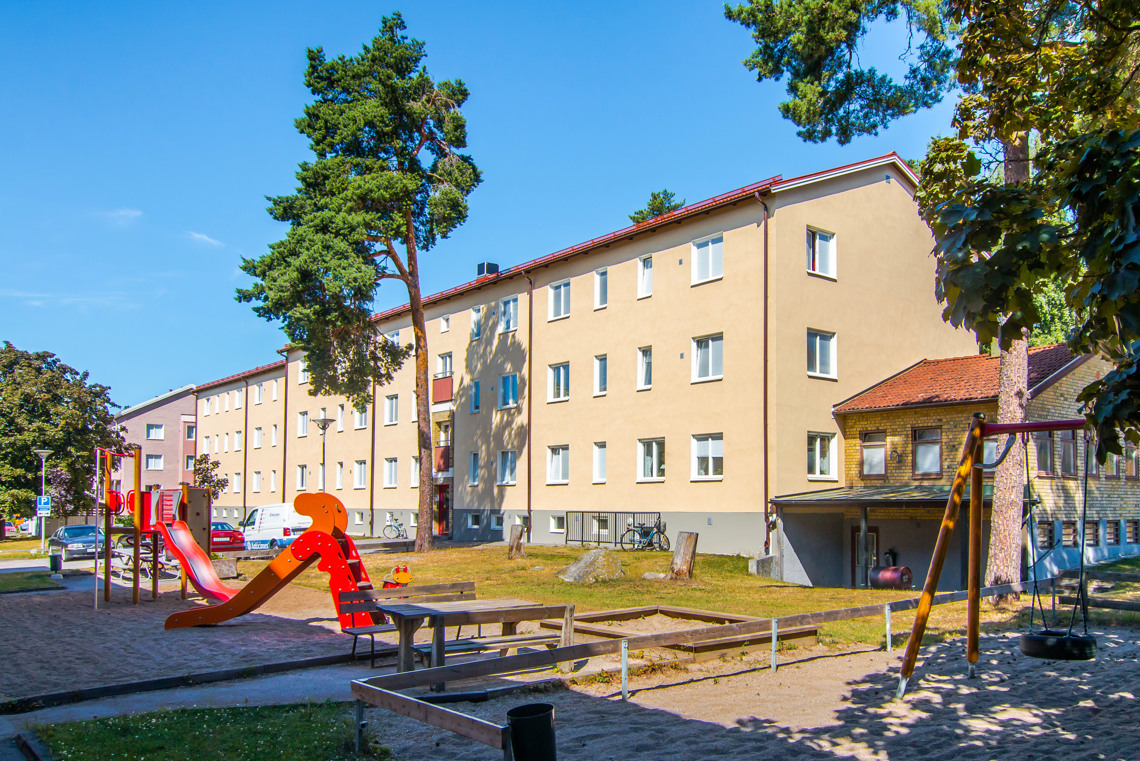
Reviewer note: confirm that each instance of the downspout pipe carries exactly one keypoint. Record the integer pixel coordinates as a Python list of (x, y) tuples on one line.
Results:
[(529, 395), (285, 427), (372, 468), (244, 448), (768, 519)]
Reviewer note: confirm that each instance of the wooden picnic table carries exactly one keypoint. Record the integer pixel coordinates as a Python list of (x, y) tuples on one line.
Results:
[(409, 617)]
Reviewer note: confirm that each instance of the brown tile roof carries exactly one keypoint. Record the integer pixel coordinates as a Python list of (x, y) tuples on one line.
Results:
[(954, 380), (239, 376)]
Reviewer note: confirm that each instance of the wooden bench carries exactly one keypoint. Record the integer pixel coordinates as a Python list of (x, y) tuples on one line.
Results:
[(364, 601)]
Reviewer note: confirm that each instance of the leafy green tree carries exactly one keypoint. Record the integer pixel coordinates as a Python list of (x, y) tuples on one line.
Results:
[(206, 476), (46, 404), (660, 202), (388, 182)]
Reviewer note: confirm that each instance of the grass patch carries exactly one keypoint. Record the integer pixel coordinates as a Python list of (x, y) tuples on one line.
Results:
[(19, 580), (284, 733), (722, 583)]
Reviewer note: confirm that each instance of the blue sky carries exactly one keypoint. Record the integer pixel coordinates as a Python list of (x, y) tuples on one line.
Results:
[(140, 140)]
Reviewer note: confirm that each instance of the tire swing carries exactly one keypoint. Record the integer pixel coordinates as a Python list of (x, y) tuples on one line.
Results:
[(1049, 643)]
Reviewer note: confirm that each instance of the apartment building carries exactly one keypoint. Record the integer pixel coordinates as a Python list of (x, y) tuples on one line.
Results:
[(903, 437), (164, 428), (686, 366)]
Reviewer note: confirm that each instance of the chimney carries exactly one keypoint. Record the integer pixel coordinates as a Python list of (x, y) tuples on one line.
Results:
[(486, 269)]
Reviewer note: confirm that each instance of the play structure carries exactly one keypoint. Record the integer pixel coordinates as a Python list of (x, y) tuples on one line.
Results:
[(1046, 643)]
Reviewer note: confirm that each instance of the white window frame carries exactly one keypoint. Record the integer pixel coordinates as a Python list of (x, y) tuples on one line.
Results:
[(273, 481), (599, 462), (601, 374), (302, 424), (273, 435), (497, 522), (814, 439), (302, 477), (504, 402), (391, 409), (390, 472), (444, 323), (474, 401), (237, 440), (274, 395), (645, 276), (710, 250), (815, 236), (714, 442), (714, 345), (339, 418), (255, 487), (415, 472), (644, 367), (476, 323), (444, 365), (558, 302), (558, 464), (257, 392), (360, 474), (155, 432), (237, 482), (472, 468), (359, 419), (339, 475), (474, 521), (154, 462), (191, 431), (601, 288), (558, 524), (205, 444), (189, 462), (237, 400), (302, 374), (226, 402), (508, 314), (225, 442), (257, 434), (658, 447), (832, 355), (506, 468), (553, 384)]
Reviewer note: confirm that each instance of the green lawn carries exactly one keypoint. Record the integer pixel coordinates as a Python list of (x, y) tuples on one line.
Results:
[(284, 733), (19, 580), (19, 549)]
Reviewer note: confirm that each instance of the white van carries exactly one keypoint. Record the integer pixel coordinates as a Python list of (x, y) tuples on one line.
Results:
[(271, 526)]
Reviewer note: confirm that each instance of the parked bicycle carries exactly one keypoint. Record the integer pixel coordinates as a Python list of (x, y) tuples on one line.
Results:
[(642, 536), (395, 530)]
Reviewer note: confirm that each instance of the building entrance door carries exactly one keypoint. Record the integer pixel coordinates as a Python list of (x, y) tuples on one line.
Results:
[(858, 577), (443, 511)]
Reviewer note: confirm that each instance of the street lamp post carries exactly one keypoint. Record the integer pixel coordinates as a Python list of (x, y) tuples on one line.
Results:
[(43, 453), (323, 423)]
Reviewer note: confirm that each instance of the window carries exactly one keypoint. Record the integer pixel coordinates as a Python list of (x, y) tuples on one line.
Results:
[(508, 314), (237, 440), (413, 519), (189, 464), (476, 323), (393, 337), (339, 475), (645, 277), (873, 448), (708, 358), (443, 365), (1045, 535), (391, 409), (226, 399), (645, 367), (601, 288), (599, 462), (225, 442), (1112, 532), (1132, 531), (708, 259), (358, 474), (475, 396), (154, 462), (215, 404), (989, 451), (360, 418), (558, 465), (927, 444), (217, 443), (273, 480), (206, 408), (415, 479), (821, 353), (273, 435), (1043, 442), (820, 462), (601, 379), (559, 300), (559, 382), (340, 417), (444, 323), (206, 444), (601, 526), (506, 474), (302, 477), (257, 390), (651, 459), (820, 253), (558, 524), (497, 522), (390, 472), (508, 390), (1067, 443), (473, 469), (474, 520), (708, 457), (257, 438), (155, 432), (1092, 533), (302, 424), (274, 389), (191, 432), (1129, 460), (302, 374), (236, 483), (237, 400), (1112, 466), (256, 486), (1069, 534)]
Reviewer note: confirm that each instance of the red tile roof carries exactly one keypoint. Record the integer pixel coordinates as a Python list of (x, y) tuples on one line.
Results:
[(239, 376), (956, 380)]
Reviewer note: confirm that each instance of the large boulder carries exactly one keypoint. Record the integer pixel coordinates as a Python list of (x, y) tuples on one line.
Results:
[(595, 565)]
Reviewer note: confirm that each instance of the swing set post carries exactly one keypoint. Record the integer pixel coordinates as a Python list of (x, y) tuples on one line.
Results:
[(974, 581)]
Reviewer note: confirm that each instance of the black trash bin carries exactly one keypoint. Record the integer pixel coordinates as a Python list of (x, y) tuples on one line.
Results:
[(532, 732), (55, 563)]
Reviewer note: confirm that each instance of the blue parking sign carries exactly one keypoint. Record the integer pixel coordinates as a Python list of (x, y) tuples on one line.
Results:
[(43, 507)]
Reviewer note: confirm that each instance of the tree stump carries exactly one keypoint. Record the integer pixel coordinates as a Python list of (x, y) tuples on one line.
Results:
[(684, 556), (515, 547)]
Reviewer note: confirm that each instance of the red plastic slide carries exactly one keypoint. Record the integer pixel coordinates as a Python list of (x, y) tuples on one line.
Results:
[(199, 569)]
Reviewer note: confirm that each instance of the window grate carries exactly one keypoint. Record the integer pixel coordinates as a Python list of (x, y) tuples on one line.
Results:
[(601, 527)]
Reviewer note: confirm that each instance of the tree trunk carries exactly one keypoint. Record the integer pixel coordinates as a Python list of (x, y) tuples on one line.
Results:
[(1003, 566), (423, 407)]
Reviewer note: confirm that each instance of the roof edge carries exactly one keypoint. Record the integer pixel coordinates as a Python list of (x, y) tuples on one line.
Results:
[(239, 376), (154, 400)]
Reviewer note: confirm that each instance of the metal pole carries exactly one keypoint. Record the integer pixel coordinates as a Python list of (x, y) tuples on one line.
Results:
[(887, 615), (43, 488), (359, 727), (774, 640), (105, 537), (974, 585), (625, 669)]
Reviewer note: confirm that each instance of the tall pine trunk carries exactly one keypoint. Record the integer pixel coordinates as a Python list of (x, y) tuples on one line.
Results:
[(1003, 566), (424, 524)]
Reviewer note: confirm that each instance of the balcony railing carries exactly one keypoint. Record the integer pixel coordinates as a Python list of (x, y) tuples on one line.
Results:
[(442, 388)]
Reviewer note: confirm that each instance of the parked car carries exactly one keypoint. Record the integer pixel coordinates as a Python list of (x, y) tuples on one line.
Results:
[(273, 526), (223, 537), (9, 528), (75, 541)]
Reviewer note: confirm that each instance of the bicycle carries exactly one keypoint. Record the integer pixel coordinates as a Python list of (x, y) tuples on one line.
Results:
[(395, 530), (642, 536)]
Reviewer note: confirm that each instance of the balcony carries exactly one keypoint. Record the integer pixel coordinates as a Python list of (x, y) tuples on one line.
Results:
[(442, 388), (442, 460)]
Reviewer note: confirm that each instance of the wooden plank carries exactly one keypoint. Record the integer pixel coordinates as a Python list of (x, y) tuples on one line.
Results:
[(423, 589), (618, 614), (1103, 603), (711, 616), (480, 731), (1102, 576), (684, 556)]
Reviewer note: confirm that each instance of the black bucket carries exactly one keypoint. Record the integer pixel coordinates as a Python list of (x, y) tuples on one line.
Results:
[(532, 732), (55, 563)]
